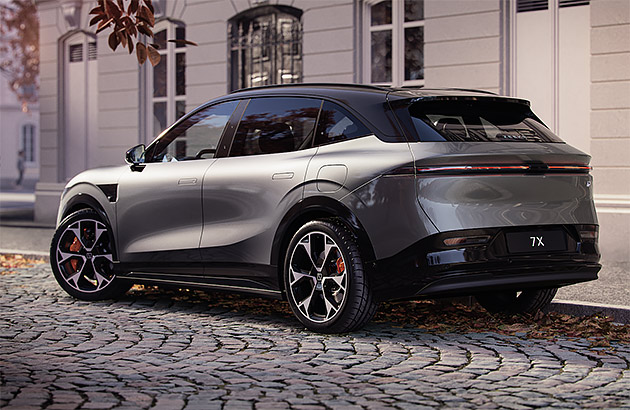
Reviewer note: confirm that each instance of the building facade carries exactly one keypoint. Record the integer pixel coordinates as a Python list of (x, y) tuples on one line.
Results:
[(571, 58), (19, 131)]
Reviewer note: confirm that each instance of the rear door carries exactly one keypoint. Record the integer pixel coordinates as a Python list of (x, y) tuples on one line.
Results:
[(159, 212), (246, 193)]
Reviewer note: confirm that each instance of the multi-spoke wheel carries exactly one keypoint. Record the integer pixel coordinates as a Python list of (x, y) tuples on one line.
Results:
[(325, 281), (82, 259)]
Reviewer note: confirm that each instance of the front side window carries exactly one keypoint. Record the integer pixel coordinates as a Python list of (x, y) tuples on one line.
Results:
[(166, 82), (197, 136), (394, 41), (265, 47), (275, 125), (336, 124)]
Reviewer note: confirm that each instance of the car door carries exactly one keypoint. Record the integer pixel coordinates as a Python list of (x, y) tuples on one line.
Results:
[(159, 209), (246, 194)]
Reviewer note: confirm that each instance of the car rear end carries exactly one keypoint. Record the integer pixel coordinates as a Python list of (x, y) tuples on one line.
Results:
[(511, 203)]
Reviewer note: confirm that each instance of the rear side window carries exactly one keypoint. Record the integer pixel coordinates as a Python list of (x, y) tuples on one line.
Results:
[(476, 121), (336, 124), (274, 125)]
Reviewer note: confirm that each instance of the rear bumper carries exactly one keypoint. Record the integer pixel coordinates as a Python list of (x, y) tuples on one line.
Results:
[(430, 269)]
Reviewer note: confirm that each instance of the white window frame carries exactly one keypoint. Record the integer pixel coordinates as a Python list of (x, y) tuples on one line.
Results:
[(170, 98), (397, 28), (28, 144)]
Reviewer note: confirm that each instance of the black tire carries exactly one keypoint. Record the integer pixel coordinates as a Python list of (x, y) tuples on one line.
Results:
[(528, 301), (83, 264), (340, 286)]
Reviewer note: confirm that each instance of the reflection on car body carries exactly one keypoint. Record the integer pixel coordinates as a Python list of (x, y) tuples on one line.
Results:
[(337, 197)]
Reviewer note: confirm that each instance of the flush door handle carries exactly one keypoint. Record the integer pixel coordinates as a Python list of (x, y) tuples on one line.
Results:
[(282, 175), (187, 181)]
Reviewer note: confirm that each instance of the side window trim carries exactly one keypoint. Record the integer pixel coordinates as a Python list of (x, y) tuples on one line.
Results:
[(150, 152), (346, 111), (225, 143), (234, 127)]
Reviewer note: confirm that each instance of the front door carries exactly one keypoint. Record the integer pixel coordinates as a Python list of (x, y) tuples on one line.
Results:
[(159, 210)]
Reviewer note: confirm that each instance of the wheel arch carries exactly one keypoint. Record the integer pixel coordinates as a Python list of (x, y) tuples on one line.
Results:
[(86, 201), (310, 209)]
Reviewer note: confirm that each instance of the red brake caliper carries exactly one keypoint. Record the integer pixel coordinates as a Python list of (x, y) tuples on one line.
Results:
[(340, 265), (75, 247)]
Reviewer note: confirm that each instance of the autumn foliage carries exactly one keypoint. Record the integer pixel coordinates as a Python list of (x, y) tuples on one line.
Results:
[(19, 48), (128, 19)]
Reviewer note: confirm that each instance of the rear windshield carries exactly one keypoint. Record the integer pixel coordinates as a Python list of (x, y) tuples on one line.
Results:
[(476, 121)]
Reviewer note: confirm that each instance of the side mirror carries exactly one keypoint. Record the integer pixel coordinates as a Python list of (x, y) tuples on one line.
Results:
[(135, 155)]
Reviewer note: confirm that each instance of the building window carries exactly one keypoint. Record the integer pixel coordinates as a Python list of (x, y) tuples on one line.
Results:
[(166, 82), (28, 142), (265, 47), (394, 42)]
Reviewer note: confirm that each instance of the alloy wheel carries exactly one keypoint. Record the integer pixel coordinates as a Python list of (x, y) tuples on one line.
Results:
[(318, 278), (84, 257)]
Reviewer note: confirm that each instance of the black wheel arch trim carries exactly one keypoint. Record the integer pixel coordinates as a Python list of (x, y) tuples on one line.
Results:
[(313, 208), (86, 201)]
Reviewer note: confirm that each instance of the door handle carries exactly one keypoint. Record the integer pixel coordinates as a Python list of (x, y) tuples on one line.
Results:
[(187, 181), (282, 175)]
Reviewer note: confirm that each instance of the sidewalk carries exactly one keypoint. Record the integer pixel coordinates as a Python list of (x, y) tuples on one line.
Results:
[(609, 294)]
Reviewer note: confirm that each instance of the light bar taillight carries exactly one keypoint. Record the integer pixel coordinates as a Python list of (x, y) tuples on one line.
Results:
[(538, 168), (473, 168)]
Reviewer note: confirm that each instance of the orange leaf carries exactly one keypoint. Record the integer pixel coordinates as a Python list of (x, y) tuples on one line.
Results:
[(146, 15), (144, 29), (133, 6), (96, 19), (97, 10), (123, 39), (112, 9), (154, 55), (150, 5), (141, 52), (113, 41)]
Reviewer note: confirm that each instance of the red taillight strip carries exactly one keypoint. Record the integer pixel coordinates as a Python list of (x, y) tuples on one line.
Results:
[(473, 168), (491, 169), (571, 167)]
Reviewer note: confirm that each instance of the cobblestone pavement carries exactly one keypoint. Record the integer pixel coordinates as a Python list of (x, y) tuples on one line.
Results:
[(56, 352)]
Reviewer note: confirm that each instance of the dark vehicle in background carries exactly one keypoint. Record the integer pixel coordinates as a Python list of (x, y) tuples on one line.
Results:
[(337, 197)]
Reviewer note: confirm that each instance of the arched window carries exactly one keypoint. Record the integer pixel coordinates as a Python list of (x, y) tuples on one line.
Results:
[(394, 42), (265, 47), (28, 142), (166, 82)]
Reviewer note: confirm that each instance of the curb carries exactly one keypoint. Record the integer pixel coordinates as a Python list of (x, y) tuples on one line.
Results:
[(27, 254), (621, 314)]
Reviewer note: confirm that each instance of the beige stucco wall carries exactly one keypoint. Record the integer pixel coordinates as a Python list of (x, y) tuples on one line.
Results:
[(610, 123), (328, 48), (463, 44)]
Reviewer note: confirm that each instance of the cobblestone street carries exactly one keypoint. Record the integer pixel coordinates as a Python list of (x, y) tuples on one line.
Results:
[(141, 352)]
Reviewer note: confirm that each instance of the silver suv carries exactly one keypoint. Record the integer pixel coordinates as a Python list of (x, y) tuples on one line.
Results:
[(337, 197)]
